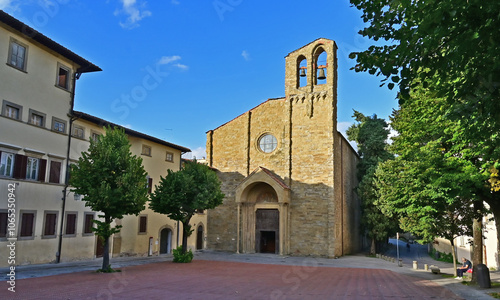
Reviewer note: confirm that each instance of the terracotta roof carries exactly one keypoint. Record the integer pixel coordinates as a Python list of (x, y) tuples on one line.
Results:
[(30, 33), (272, 175), (102, 122)]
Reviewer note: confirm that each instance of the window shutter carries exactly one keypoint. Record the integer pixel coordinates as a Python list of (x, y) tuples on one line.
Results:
[(143, 224), (55, 172), (3, 224), (71, 224), (50, 224), (150, 185), (27, 224), (88, 223), (42, 169), (20, 163)]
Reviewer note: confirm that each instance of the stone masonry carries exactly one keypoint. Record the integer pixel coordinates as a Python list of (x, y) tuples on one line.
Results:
[(307, 179)]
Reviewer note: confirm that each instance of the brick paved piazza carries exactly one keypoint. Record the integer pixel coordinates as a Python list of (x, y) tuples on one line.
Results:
[(204, 279)]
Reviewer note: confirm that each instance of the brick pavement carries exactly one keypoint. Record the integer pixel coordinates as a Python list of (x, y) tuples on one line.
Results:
[(206, 279)]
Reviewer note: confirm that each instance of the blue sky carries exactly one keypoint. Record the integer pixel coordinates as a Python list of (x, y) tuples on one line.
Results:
[(175, 69)]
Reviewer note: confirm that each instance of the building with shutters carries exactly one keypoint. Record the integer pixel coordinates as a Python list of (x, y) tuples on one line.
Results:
[(287, 173), (40, 136)]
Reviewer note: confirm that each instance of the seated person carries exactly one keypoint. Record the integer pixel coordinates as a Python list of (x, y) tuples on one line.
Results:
[(466, 266)]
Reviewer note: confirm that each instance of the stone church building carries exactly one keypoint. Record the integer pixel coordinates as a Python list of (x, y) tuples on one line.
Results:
[(287, 173)]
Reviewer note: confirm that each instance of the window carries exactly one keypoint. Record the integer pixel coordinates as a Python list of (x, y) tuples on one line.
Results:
[(29, 168), (146, 150), (78, 132), (169, 157), (17, 55), (49, 229), (143, 221), (63, 77), (55, 172), (3, 224), (70, 224), (267, 143), (27, 224), (94, 136), (32, 168), (58, 125), (6, 164), (37, 118), (12, 110), (149, 184), (88, 223)]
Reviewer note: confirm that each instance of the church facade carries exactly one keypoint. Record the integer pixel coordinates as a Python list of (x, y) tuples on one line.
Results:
[(287, 173)]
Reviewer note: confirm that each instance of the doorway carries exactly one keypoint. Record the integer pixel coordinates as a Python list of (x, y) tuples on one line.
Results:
[(199, 238), (268, 242), (267, 231), (165, 241)]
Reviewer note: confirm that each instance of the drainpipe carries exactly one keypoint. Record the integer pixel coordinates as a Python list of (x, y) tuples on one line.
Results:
[(76, 75)]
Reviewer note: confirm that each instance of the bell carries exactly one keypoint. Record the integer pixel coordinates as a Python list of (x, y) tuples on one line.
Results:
[(321, 75), (302, 73)]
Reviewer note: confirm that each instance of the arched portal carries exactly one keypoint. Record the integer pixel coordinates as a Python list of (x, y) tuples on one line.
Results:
[(199, 238), (262, 213), (165, 240)]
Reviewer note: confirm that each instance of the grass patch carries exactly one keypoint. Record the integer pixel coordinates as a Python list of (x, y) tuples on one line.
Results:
[(439, 256), (495, 284), (108, 270), (495, 295)]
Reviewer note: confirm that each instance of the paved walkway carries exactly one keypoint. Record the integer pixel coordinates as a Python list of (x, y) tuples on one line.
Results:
[(220, 275)]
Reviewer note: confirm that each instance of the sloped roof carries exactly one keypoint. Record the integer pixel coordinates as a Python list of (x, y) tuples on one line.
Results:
[(270, 99), (30, 33), (271, 174), (312, 43), (102, 122)]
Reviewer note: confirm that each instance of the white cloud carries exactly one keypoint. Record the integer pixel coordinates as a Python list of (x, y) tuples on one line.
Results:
[(181, 66), (165, 60), (134, 11), (245, 55), (199, 153), (168, 59), (5, 3)]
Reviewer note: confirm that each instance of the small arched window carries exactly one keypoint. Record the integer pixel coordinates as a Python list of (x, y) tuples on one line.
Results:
[(321, 67), (302, 72)]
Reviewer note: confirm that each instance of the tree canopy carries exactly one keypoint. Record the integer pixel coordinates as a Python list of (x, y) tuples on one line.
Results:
[(180, 194), (370, 134), (112, 180), (429, 185), (451, 48)]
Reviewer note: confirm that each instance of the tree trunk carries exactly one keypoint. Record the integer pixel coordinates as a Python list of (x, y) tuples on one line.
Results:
[(105, 254), (185, 232), (477, 235), (373, 248), (454, 255)]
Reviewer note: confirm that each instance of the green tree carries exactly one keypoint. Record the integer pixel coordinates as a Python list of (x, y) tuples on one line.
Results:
[(451, 47), (429, 186), (181, 193), (370, 134), (113, 182)]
